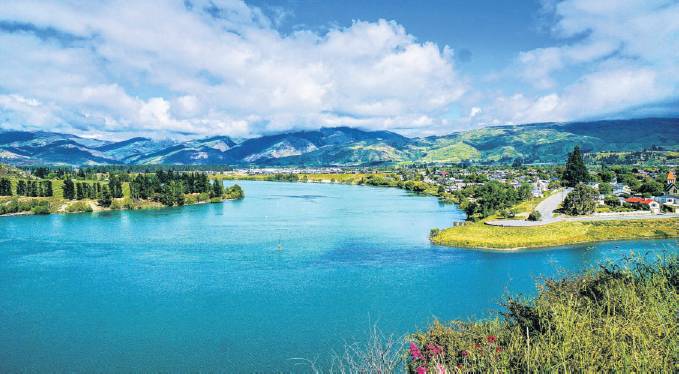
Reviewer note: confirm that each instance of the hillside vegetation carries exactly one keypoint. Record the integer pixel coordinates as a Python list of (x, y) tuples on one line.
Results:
[(619, 318), (344, 146)]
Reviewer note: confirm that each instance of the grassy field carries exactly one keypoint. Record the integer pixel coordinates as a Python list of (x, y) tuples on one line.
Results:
[(480, 235), (618, 318)]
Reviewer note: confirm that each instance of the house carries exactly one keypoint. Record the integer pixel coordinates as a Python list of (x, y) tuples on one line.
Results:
[(671, 185), (621, 189), (670, 197), (539, 187), (651, 204)]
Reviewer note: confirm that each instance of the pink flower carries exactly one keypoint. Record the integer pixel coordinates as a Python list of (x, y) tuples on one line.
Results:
[(441, 369), (421, 370), (415, 352), (464, 353), (491, 338), (434, 349)]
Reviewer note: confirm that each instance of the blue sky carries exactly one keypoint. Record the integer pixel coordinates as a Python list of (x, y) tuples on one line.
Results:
[(488, 33), (172, 68)]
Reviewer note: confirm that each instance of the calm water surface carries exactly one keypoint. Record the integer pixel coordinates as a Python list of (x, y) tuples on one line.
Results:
[(205, 288)]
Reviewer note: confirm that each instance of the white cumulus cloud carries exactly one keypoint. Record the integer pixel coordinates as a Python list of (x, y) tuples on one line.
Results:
[(214, 66)]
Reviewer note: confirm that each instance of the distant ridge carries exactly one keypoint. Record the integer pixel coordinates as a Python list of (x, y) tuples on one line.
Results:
[(345, 146)]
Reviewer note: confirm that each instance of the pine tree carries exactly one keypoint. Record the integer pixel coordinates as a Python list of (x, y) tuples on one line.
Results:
[(31, 189), (5, 187), (69, 189), (47, 188), (576, 171), (105, 199), (79, 191), (217, 188), (115, 187)]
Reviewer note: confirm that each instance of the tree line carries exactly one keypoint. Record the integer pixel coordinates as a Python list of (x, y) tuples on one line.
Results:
[(29, 188), (169, 187), (481, 201)]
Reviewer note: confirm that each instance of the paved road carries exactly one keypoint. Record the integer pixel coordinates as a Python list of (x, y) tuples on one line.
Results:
[(594, 217), (547, 206)]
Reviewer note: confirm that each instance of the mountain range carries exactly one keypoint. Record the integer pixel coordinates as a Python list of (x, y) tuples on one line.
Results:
[(345, 146)]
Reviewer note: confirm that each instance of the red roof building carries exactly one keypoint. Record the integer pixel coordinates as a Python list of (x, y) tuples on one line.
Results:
[(638, 200)]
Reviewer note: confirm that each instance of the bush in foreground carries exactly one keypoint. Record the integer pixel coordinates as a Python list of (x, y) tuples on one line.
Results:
[(535, 216), (620, 318)]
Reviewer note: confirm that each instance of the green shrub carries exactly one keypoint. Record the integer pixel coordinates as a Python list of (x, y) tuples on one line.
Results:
[(9, 207), (580, 201), (79, 206), (620, 318), (41, 209), (190, 199), (535, 216), (234, 192), (25, 205)]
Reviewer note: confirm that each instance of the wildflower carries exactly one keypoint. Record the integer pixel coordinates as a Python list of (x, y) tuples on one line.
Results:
[(491, 338), (415, 352), (498, 349), (421, 370), (464, 353), (477, 346), (440, 369), (434, 349), (459, 366)]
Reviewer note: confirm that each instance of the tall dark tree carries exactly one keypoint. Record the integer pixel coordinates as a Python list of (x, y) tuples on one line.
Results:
[(21, 188), (5, 187), (217, 188), (115, 187), (576, 171), (106, 198), (69, 189), (80, 191), (41, 172)]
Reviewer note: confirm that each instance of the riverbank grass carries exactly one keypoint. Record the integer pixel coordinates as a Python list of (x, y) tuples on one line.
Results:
[(480, 235), (618, 318)]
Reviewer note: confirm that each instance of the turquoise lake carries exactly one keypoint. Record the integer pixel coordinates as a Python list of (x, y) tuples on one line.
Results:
[(206, 288)]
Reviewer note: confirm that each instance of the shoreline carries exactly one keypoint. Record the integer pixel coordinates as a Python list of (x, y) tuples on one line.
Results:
[(498, 238), (360, 179), (107, 209), (550, 247)]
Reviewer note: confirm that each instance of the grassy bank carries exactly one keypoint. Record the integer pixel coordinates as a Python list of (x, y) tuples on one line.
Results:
[(614, 319), (480, 235)]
